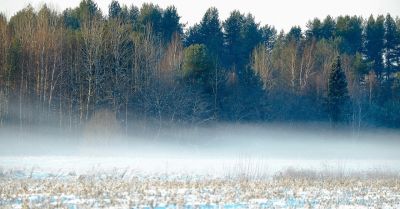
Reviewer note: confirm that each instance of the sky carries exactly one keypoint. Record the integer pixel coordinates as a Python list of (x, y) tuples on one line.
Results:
[(283, 14)]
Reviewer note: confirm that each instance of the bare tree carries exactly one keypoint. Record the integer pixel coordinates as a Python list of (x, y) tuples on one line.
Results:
[(4, 79), (49, 42), (306, 64), (262, 65), (92, 33), (121, 49)]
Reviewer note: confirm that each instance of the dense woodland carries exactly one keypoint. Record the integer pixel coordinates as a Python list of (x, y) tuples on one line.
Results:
[(143, 64)]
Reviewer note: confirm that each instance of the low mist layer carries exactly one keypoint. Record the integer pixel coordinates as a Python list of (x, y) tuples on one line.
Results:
[(216, 149)]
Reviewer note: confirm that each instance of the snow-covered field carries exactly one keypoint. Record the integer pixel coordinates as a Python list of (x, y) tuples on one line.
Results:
[(123, 182), (225, 167)]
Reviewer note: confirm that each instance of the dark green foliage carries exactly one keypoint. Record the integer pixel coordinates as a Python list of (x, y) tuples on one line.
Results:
[(114, 10), (321, 30), (233, 38), (360, 66), (133, 15), (294, 34), (392, 46), (163, 23), (314, 29), (71, 19), (328, 28), (269, 36), (150, 16), (211, 30), (374, 43), (349, 32), (251, 34), (208, 32), (198, 65), (193, 36), (338, 97), (245, 100), (170, 23), (242, 35)]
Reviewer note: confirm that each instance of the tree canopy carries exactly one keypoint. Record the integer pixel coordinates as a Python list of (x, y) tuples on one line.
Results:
[(141, 63)]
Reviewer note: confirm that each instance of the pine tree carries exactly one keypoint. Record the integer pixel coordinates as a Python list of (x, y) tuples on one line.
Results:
[(328, 28), (314, 29), (211, 31), (151, 15), (349, 31), (114, 10), (198, 65), (233, 38), (295, 34), (391, 44), (170, 24), (374, 45), (133, 15), (338, 97)]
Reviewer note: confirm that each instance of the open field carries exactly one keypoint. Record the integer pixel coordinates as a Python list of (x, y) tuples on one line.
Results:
[(229, 167), (241, 184)]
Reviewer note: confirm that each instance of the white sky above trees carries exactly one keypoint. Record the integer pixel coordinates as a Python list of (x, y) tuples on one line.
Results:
[(280, 13)]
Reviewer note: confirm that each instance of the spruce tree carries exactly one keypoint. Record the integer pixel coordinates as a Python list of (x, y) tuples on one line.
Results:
[(338, 97)]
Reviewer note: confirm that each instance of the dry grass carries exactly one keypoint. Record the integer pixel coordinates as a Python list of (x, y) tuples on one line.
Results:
[(288, 189)]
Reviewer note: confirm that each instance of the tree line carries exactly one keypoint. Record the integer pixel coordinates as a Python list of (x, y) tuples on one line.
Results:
[(143, 64)]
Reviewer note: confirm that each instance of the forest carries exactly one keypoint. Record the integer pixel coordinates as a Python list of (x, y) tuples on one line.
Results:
[(143, 65)]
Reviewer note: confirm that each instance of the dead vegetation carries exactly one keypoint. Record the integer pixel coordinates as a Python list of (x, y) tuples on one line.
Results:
[(288, 189)]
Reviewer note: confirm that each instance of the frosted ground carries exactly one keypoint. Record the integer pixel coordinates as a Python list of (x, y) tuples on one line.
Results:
[(229, 168)]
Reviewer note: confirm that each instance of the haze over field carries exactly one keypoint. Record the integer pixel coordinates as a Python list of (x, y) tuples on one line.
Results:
[(217, 150), (110, 78)]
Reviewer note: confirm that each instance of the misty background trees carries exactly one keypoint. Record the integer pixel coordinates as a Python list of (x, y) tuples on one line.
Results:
[(144, 65)]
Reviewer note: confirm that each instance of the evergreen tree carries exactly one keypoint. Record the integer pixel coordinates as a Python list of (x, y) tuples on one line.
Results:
[(319, 30), (269, 36), (170, 23), (294, 34), (233, 39), (193, 36), (328, 28), (133, 15), (71, 19), (374, 43), (198, 65), (114, 10), (208, 32), (391, 45), (150, 15), (242, 35), (338, 97), (251, 37), (349, 32), (314, 29), (72, 64)]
